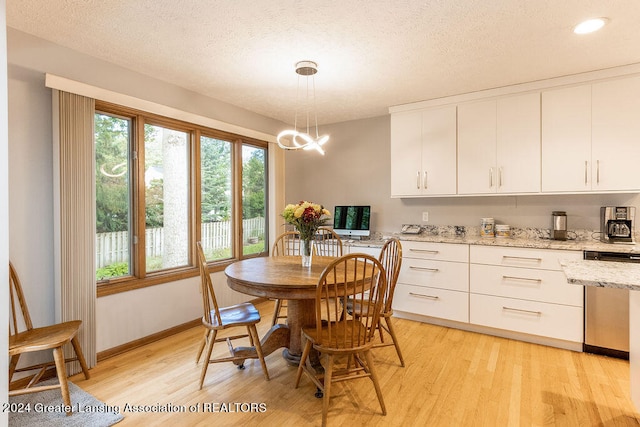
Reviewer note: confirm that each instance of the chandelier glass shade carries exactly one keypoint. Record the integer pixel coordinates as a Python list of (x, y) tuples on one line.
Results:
[(305, 137)]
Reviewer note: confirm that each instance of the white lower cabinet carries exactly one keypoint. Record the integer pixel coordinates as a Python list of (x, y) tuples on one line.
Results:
[(433, 302), (434, 280), (525, 290), (435, 274), (523, 283), (530, 317), (493, 288), (369, 250)]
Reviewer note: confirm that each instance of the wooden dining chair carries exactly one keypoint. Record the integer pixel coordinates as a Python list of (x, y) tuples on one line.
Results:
[(286, 244), (360, 277), (24, 338), (217, 318), (327, 243), (391, 260)]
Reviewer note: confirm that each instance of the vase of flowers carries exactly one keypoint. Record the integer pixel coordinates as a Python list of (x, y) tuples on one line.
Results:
[(306, 217)]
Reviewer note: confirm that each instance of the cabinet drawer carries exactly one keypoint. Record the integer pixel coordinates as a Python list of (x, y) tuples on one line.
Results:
[(369, 250), (547, 259), (525, 283), (435, 274), (530, 317), (435, 251), (444, 304)]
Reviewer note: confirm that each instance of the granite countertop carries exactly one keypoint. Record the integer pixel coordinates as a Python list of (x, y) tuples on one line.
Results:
[(579, 272), (602, 274), (521, 238)]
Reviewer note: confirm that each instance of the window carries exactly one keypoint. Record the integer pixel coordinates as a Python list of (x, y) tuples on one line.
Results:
[(166, 207), (113, 196), (216, 198), (254, 199), (162, 185)]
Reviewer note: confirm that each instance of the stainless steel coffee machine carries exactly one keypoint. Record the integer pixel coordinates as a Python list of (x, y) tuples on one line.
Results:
[(559, 225), (617, 224)]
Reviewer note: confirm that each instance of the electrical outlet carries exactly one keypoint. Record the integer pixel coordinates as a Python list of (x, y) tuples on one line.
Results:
[(425, 216)]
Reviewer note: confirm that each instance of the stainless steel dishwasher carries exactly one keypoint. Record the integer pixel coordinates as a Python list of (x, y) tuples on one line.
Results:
[(606, 312)]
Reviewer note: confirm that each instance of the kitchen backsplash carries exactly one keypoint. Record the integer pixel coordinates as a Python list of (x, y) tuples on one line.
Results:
[(516, 233)]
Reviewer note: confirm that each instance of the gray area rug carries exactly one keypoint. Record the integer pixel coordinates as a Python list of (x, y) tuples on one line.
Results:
[(46, 409)]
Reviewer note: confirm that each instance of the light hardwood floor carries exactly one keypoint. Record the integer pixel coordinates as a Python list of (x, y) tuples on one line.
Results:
[(452, 378)]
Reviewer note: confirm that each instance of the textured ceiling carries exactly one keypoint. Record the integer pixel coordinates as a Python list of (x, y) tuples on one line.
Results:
[(372, 54)]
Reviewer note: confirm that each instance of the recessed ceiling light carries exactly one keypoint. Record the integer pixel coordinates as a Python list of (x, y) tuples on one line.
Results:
[(590, 25)]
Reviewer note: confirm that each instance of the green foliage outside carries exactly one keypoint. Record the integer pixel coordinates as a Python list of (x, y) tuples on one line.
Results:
[(215, 167), (117, 269), (112, 173), (253, 184)]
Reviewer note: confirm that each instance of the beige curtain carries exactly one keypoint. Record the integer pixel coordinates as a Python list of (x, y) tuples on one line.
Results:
[(74, 217)]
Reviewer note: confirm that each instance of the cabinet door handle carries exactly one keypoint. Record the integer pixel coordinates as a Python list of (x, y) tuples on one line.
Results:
[(586, 169), (490, 177), (424, 251), (526, 279), (431, 297), (519, 310), (418, 180), (500, 177), (598, 172), (424, 268), (424, 182), (523, 258)]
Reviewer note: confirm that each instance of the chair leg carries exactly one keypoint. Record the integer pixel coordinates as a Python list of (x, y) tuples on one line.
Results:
[(276, 312), (205, 364), (251, 340), (303, 360), (203, 343), (374, 378), (253, 333), (83, 363), (328, 374), (379, 328), (392, 332), (58, 357), (12, 365)]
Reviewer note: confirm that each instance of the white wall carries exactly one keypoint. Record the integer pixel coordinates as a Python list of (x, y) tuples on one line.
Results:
[(120, 318), (4, 216), (356, 170), (128, 316)]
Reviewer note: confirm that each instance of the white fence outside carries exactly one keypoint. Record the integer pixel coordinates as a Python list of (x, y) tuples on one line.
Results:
[(114, 247)]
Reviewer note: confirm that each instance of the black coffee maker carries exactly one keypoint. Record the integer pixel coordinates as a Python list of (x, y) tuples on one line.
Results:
[(617, 224)]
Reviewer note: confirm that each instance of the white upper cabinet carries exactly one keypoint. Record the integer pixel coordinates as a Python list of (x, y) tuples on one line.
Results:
[(615, 131), (591, 137), (566, 140), (423, 152), (518, 144), (477, 148), (580, 138), (406, 153), (499, 146)]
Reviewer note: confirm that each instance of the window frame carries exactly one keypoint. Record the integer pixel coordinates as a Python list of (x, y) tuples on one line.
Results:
[(139, 278)]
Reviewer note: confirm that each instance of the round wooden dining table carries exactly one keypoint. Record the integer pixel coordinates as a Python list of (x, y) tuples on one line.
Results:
[(281, 277)]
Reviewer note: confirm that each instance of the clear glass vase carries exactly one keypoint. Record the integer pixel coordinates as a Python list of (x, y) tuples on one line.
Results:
[(307, 252)]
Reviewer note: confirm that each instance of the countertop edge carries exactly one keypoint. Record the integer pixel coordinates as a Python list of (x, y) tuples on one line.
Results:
[(602, 274)]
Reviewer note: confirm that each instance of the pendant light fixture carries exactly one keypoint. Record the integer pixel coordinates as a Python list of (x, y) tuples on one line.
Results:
[(295, 139)]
